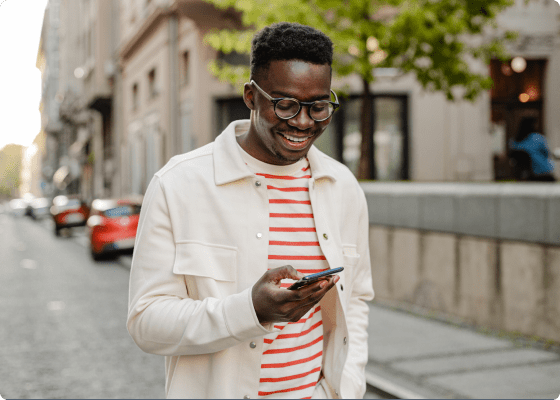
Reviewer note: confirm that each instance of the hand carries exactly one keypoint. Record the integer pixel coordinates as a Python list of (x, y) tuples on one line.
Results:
[(273, 303)]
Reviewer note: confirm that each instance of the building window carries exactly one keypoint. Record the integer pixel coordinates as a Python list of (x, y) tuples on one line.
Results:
[(342, 139), (135, 97), (152, 87), (234, 58), (389, 138), (230, 110), (185, 68)]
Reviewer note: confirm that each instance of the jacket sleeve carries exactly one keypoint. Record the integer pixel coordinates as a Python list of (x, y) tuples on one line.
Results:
[(162, 319), (353, 384)]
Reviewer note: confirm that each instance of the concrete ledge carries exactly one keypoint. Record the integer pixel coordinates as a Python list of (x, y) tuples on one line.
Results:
[(513, 211)]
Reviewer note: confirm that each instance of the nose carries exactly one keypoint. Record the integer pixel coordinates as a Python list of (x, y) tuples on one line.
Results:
[(302, 120)]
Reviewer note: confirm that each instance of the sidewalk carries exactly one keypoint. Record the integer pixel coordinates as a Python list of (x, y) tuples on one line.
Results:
[(414, 356)]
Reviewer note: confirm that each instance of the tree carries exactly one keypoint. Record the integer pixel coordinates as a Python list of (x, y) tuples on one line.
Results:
[(10, 167), (439, 41)]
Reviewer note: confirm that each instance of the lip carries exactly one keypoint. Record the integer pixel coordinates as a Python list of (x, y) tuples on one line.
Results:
[(294, 145)]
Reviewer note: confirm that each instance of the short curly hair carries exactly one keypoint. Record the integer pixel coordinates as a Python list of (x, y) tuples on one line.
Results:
[(289, 41)]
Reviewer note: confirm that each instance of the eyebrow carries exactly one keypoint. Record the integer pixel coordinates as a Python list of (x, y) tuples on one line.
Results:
[(277, 94)]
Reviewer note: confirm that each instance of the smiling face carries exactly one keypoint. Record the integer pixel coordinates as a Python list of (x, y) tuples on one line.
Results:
[(281, 142)]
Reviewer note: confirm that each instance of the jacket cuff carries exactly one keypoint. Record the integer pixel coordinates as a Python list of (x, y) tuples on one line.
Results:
[(241, 318)]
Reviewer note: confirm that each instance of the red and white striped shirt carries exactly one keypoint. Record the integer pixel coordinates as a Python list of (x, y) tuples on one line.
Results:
[(292, 357)]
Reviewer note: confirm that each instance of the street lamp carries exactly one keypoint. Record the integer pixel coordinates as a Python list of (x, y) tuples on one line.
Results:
[(518, 64)]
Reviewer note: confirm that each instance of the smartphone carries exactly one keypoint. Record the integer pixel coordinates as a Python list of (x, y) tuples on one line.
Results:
[(306, 280)]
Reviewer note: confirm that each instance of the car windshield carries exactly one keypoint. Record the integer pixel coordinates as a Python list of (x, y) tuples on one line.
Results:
[(73, 203), (122, 211)]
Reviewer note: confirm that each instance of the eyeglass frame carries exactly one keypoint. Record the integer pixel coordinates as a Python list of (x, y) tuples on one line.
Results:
[(309, 104)]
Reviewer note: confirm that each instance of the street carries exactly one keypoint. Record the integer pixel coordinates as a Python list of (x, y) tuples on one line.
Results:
[(65, 315), (64, 320)]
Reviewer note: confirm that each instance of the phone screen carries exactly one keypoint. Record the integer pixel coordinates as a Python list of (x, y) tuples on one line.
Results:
[(314, 278)]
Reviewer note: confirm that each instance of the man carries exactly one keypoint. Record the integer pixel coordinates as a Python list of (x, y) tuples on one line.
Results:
[(224, 230)]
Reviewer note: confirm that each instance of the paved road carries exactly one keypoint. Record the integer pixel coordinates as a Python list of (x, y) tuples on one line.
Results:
[(65, 316), (63, 321)]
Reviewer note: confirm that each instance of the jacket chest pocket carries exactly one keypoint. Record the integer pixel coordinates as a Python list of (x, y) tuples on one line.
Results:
[(210, 270)]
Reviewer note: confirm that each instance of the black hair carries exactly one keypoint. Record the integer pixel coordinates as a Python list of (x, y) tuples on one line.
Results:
[(526, 127), (289, 41)]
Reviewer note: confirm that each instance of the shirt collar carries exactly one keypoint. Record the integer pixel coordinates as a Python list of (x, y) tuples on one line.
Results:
[(229, 165)]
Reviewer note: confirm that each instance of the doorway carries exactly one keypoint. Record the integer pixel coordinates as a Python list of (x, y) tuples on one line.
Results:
[(518, 92)]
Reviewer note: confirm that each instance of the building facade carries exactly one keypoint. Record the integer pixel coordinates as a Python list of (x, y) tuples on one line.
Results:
[(135, 90), (76, 57), (48, 62), (418, 135), (169, 97)]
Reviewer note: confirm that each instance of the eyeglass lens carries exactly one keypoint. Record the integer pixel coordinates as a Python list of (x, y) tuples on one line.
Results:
[(321, 110)]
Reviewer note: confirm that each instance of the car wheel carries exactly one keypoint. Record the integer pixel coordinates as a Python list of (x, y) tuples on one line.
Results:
[(57, 231), (97, 256)]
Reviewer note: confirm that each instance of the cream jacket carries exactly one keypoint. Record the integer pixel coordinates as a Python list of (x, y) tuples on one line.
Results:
[(197, 256)]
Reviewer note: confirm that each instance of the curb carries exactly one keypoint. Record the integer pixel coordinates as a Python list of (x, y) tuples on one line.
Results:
[(390, 387)]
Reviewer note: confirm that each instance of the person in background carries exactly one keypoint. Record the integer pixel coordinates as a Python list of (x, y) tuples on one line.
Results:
[(535, 145), (226, 228)]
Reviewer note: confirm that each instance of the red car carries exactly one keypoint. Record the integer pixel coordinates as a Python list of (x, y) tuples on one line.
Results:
[(67, 212), (112, 226)]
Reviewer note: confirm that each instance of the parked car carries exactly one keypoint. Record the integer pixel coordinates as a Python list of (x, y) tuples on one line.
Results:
[(18, 207), (112, 226), (40, 208), (68, 212), (28, 198)]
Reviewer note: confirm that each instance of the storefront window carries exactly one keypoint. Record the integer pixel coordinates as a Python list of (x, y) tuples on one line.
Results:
[(351, 136), (389, 136)]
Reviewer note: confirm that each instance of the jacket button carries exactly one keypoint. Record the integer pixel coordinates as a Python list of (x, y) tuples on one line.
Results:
[(257, 183), (326, 236), (336, 392), (253, 344), (259, 235), (341, 286), (345, 340)]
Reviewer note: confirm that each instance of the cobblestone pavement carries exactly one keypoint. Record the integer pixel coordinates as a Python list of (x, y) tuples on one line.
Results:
[(63, 320)]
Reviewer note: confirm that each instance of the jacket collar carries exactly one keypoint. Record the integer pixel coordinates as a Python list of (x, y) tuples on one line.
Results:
[(319, 167), (230, 167)]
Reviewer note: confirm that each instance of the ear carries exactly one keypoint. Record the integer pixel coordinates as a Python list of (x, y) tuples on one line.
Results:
[(249, 96)]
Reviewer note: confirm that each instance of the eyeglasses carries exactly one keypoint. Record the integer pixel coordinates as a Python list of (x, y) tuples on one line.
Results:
[(288, 108)]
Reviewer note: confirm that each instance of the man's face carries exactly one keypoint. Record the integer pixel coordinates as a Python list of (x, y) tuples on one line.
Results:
[(268, 139)]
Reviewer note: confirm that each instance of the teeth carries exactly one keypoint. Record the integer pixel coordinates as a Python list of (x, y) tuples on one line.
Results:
[(294, 139)]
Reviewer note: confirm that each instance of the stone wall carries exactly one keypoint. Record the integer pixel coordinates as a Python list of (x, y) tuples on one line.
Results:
[(486, 279)]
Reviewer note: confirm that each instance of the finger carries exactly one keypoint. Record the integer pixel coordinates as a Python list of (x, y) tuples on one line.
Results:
[(319, 289), (332, 281), (294, 273), (284, 272), (300, 306), (314, 287)]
